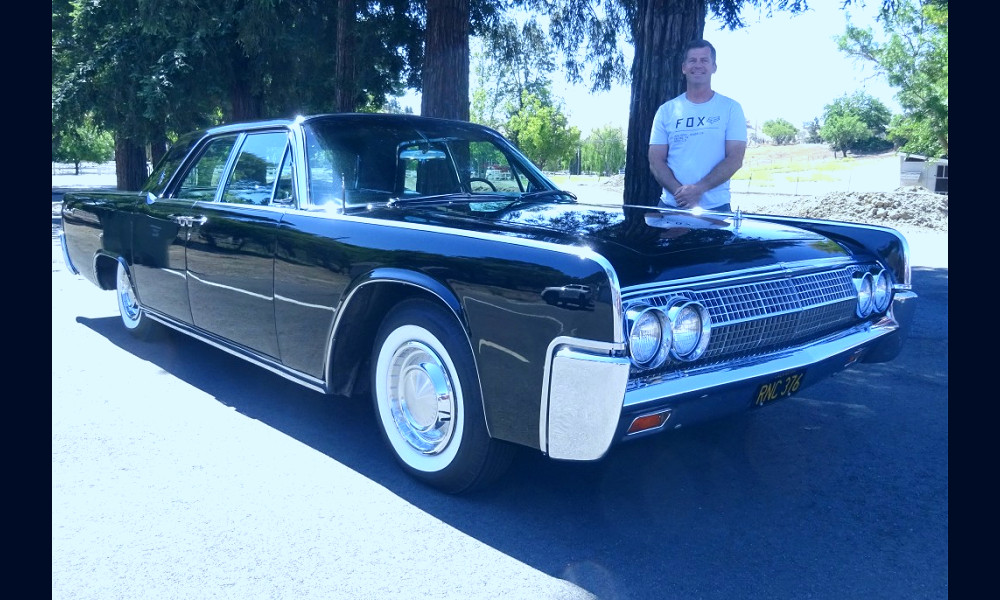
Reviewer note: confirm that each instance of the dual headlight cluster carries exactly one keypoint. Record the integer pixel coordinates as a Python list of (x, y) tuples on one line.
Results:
[(874, 292), (679, 331)]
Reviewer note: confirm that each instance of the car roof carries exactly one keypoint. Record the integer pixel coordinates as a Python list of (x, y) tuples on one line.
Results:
[(386, 118)]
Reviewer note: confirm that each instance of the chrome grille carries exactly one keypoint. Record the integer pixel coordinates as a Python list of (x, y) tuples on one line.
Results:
[(748, 318)]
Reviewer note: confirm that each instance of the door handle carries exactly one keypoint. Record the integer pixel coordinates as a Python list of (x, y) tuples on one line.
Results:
[(188, 221)]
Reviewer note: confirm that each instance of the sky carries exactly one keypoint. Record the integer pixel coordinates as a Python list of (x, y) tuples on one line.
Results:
[(782, 66)]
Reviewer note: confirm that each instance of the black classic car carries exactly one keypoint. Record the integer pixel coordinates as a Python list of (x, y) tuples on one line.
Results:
[(427, 263)]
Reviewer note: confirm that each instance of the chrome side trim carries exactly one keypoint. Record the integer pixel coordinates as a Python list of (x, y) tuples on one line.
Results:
[(581, 252), (65, 254), (713, 376), (582, 390), (270, 364)]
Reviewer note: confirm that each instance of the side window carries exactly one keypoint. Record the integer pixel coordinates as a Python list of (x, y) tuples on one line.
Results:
[(284, 192), (333, 171), (256, 169), (492, 171), (427, 170), (202, 180)]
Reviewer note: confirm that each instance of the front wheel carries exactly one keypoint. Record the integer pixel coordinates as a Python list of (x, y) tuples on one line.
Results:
[(428, 402), (133, 316)]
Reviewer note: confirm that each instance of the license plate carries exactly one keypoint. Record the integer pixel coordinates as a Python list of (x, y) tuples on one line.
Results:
[(779, 387)]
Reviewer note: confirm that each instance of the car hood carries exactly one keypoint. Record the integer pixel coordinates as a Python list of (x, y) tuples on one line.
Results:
[(646, 245)]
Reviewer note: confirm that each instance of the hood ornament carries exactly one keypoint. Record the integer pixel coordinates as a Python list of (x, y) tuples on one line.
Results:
[(737, 220)]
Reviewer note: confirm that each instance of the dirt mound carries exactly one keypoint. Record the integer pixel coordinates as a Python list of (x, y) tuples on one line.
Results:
[(911, 205)]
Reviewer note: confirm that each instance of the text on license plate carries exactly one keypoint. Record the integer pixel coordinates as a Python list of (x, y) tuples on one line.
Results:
[(779, 387)]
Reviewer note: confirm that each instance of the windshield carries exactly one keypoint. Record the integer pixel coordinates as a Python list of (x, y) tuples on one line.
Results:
[(355, 161)]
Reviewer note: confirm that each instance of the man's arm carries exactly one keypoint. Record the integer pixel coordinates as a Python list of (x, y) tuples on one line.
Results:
[(688, 196), (658, 167)]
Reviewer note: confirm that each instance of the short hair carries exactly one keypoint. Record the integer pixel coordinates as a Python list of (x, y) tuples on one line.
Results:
[(697, 44)]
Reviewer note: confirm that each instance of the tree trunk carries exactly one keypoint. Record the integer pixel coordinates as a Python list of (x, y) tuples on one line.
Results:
[(130, 163), (345, 77), (245, 104), (157, 148), (662, 30), (446, 60)]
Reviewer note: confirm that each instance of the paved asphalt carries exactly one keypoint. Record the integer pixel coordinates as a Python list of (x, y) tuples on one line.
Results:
[(181, 472)]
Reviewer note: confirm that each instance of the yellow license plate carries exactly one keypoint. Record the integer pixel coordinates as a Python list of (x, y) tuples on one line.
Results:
[(779, 387)]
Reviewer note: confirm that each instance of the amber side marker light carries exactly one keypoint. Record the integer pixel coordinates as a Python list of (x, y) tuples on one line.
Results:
[(647, 422)]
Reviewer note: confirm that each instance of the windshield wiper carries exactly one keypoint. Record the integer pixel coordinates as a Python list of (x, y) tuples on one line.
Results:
[(446, 199), (546, 193)]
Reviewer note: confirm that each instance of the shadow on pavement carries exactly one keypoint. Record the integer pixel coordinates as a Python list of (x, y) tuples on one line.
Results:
[(824, 495)]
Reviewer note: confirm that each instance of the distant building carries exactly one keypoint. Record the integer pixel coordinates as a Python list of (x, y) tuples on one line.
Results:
[(930, 173)]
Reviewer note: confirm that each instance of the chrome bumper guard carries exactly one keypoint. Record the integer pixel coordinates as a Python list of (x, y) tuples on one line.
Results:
[(65, 253)]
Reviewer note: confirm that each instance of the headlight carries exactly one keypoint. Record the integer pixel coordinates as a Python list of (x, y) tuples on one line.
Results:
[(865, 285), (882, 291), (691, 325), (649, 336)]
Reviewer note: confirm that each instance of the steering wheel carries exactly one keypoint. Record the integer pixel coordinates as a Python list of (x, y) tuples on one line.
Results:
[(482, 180)]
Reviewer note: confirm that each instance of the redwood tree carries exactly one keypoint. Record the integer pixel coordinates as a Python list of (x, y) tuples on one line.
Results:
[(445, 74)]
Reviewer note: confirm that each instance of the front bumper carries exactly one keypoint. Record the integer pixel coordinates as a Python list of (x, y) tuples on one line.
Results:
[(586, 407)]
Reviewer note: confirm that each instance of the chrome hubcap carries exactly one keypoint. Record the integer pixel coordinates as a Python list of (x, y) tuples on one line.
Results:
[(421, 397)]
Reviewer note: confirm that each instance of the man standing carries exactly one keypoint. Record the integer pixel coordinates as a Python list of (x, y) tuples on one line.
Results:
[(698, 138)]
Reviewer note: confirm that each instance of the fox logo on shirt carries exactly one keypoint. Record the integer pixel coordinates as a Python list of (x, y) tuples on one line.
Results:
[(691, 122)]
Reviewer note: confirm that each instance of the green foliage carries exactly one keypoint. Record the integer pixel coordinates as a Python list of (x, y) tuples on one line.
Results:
[(780, 130), (915, 137), (842, 131), (870, 112), (812, 132), (541, 131), (510, 62), (85, 142), (914, 59), (603, 151)]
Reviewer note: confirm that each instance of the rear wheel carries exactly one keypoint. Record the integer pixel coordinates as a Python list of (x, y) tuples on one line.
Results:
[(133, 316), (428, 402)]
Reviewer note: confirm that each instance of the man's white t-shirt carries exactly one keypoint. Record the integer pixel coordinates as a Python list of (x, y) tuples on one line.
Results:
[(697, 134)]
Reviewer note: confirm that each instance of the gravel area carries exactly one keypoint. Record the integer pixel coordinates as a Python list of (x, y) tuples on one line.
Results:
[(904, 207)]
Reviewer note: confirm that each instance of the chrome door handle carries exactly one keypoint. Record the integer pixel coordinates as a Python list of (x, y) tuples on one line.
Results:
[(188, 221)]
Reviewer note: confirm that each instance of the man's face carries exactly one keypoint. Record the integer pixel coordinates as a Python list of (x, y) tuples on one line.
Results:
[(698, 65)]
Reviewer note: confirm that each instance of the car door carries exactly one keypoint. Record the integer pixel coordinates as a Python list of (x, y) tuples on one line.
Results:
[(162, 228), (230, 249)]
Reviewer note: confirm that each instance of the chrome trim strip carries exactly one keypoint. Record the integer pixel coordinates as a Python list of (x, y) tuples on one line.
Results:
[(271, 365), (736, 276), (65, 254), (582, 252), (712, 376), (907, 267), (582, 349), (229, 287)]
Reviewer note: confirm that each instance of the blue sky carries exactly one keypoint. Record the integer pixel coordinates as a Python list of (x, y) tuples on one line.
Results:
[(782, 66)]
